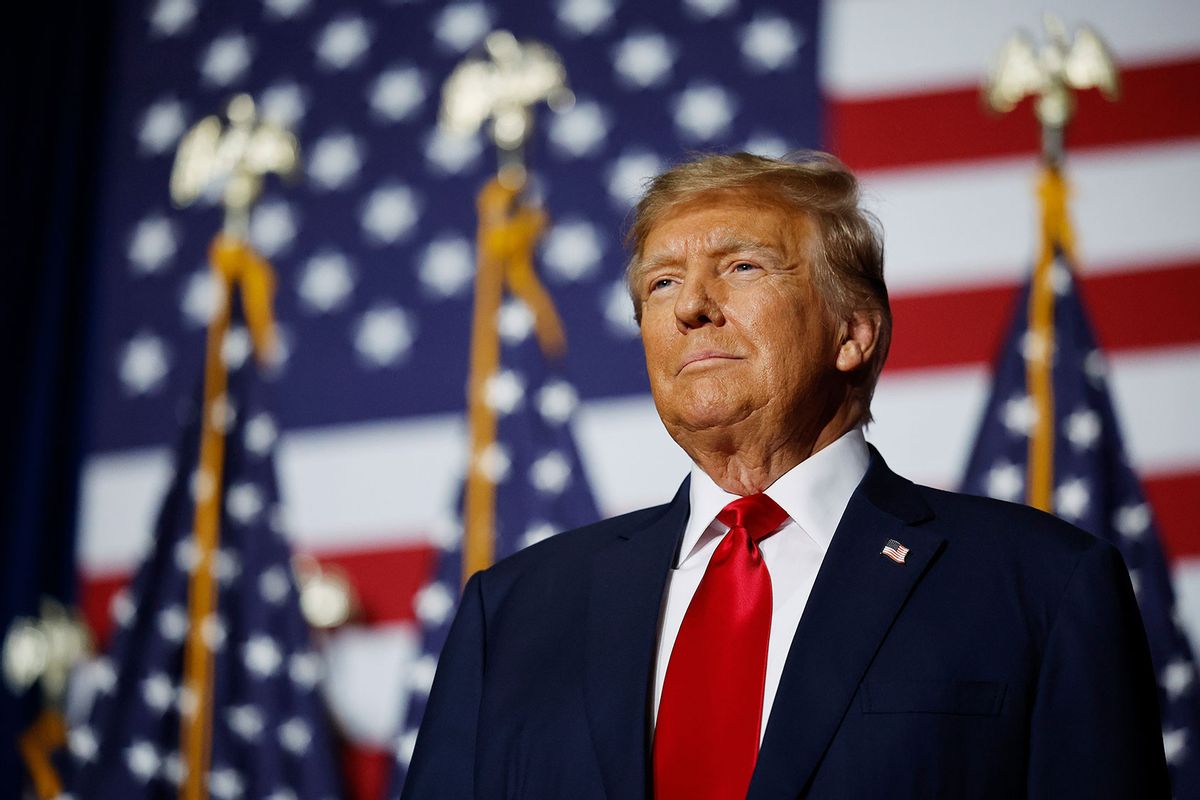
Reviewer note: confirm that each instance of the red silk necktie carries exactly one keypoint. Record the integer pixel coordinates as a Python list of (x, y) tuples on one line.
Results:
[(710, 713)]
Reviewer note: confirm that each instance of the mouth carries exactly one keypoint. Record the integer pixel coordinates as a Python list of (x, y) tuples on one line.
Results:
[(702, 358)]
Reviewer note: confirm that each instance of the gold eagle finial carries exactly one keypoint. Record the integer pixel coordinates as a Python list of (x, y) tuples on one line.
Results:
[(1051, 73), (231, 158), (503, 88)]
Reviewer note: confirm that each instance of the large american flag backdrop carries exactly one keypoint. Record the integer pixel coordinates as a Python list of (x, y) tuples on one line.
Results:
[(374, 250)]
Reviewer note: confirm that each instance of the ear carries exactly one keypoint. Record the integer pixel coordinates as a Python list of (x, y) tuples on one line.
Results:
[(859, 335)]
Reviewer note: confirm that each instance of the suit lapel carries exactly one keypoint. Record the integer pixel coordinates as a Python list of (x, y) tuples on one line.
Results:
[(624, 602), (857, 595)]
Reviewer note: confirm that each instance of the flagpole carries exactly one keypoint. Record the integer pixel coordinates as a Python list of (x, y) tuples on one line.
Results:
[(235, 268), (524, 479), (479, 503), (1040, 344), (1050, 74), (508, 233)]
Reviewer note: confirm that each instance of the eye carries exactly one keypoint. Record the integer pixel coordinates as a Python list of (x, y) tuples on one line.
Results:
[(744, 266), (661, 283)]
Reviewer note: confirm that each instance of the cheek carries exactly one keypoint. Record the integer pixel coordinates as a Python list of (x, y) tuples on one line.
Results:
[(770, 320), (796, 347), (656, 346)]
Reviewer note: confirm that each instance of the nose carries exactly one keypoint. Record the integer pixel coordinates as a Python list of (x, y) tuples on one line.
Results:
[(697, 305)]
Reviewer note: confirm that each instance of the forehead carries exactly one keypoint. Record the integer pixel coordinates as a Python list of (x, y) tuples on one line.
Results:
[(727, 219)]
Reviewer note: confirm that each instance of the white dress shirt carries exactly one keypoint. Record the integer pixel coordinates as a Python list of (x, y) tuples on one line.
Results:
[(814, 493)]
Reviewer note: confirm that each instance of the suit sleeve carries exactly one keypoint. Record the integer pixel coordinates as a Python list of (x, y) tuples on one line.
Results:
[(1095, 729), (443, 762)]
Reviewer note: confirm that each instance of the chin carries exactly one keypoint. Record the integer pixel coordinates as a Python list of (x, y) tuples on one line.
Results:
[(701, 412)]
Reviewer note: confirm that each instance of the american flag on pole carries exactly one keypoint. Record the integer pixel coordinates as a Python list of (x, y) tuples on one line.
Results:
[(1093, 486), (268, 732), (541, 490)]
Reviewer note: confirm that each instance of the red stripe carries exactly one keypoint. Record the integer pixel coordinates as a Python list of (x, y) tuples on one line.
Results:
[(367, 771), (1175, 499), (384, 578), (1131, 310), (1158, 102), (95, 599)]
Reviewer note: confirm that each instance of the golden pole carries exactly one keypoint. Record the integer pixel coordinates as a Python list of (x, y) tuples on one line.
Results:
[(498, 90), (508, 234), (234, 265), (480, 502)]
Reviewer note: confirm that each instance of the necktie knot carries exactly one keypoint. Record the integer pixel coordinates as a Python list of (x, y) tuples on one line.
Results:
[(758, 514)]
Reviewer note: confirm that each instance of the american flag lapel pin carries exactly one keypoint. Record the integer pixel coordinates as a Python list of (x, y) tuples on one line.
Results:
[(895, 551)]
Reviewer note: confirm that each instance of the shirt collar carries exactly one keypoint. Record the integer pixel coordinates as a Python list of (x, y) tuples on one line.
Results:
[(814, 493)]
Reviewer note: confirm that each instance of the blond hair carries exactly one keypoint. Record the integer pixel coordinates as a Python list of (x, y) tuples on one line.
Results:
[(848, 258)]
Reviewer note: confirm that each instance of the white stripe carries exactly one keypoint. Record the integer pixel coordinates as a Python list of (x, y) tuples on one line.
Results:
[(391, 482), (631, 460), (871, 47), (975, 224), (368, 680), (372, 482), (120, 495), (926, 420), (1155, 393), (1186, 573), (342, 486)]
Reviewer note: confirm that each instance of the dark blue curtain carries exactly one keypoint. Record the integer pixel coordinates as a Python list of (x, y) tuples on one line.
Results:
[(54, 62)]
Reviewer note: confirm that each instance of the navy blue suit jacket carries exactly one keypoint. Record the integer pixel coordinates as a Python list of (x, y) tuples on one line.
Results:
[(1005, 658)]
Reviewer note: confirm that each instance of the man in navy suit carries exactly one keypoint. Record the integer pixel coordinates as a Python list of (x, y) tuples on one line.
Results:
[(799, 621)]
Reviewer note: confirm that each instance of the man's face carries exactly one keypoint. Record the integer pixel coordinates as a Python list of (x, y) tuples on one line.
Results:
[(733, 327)]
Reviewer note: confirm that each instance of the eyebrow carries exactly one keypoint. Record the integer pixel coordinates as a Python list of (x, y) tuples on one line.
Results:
[(719, 245)]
